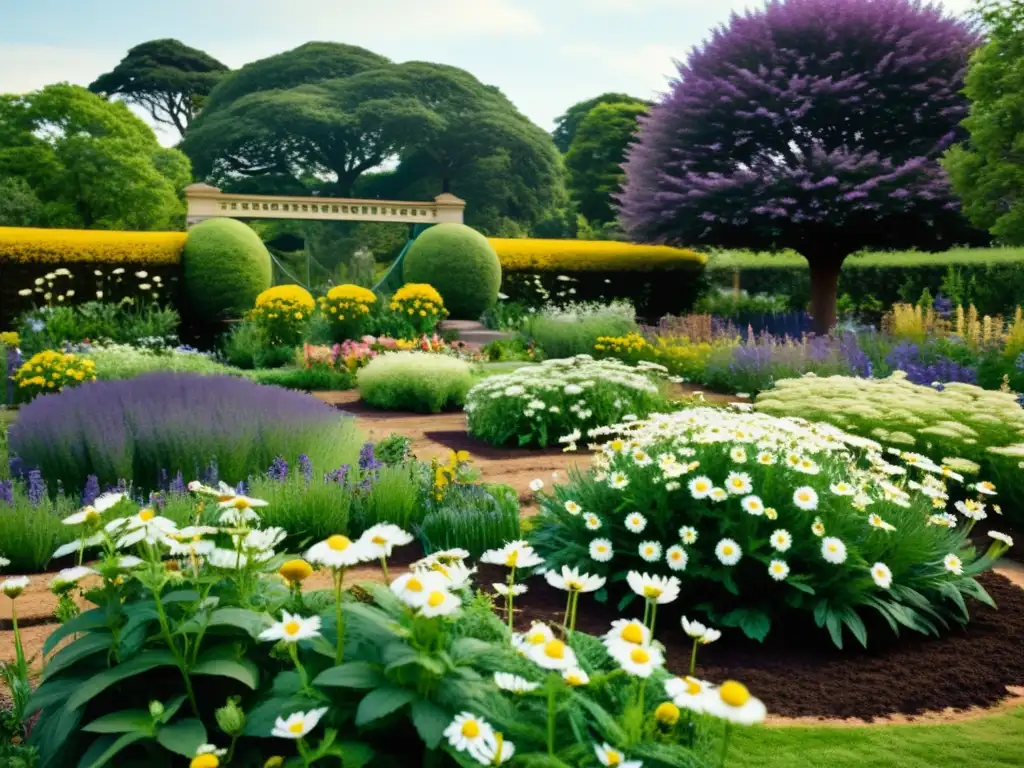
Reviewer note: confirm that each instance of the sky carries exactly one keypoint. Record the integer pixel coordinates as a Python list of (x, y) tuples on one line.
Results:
[(544, 54)]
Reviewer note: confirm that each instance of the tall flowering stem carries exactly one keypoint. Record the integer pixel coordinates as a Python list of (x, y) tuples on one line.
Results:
[(510, 597), (339, 578)]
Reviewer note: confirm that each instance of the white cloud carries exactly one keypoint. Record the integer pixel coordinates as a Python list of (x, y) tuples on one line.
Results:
[(647, 68)]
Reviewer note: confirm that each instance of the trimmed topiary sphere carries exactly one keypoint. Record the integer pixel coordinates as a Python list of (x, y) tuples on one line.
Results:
[(226, 266), (460, 263)]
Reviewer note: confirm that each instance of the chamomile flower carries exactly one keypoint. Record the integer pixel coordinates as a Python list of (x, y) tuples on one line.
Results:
[(700, 487), (638, 660), (601, 550), (882, 575), (738, 483), (14, 586), (985, 487), (833, 550), (575, 677), (843, 489), (536, 485), (1007, 540), (573, 508), (945, 519), (660, 589), (781, 540), (146, 525), (571, 580), (609, 756), (298, 724), (635, 522), (766, 458), (876, 521), (641, 458), (515, 554), (415, 587), (337, 552), (591, 521), (718, 494), (676, 558), (439, 602), (378, 540), (694, 629), (688, 692), (292, 628), (752, 505), (538, 634), (728, 552), (71, 576), (972, 510), (239, 501), (738, 454), (554, 655), (629, 632), (504, 590), (468, 732), (91, 512), (953, 564), (514, 683), (818, 527), (734, 703), (618, 480), (778, 570), (688, 534), (771, 513), (807, 466), (805, 498), (650, 551)]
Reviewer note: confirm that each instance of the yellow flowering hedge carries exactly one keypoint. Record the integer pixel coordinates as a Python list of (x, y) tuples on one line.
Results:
[(9, 339), (420, 304), (25, 245), (347, 308), (283, 312), (536, 255), (51, 371)]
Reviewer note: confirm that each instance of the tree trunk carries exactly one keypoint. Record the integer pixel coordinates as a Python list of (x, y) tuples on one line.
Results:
[(446, 184), (824, 289)]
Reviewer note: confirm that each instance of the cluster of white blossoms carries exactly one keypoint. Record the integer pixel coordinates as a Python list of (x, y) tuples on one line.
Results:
[(562, 392)]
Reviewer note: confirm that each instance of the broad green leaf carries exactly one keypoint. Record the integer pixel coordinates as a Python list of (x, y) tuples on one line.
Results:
[(85, 646), (430, 721), (95, 685), (171, 708), (856, 626), (181, 596), (103, 749), (50, 738), (801, 586), (381, 702), (52, 692), (223, 661), (183, 737), (397, 653), (835, 628), (353, 754), (248, 621), (83, 622), (354, 674), (754, 624), (121, 722), (286, 683), (139, 618)]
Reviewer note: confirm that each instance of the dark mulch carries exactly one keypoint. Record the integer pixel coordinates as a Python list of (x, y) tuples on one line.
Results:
[(797, 671)]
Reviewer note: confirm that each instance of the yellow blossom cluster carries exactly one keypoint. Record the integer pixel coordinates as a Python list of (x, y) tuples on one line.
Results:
[(9, 339), (27, 245), (51, 371), (283, 313), (909, 321), (421, 305), (346, 307), (538, 255)]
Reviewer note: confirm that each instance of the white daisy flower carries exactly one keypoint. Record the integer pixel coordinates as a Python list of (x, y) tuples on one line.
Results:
[(688, 534), (14, 586), (414, 588), (337, 552), (630, 632), (985, 487), (292, 628), (514, 683), (467, 732), (843, 489), (972, 510), (515, 554), (601, 550), (650, 551), (734, 703), (778, 570), (635, 522), (239, 501), (818, 527), (641, 458), (571, 580), (876, 521), (953, 564), (554, 655), (766, 458), (833, 550), (591, 521), (694, 629), (573, 508), (91, 513), (538, 634), (638, 660), (807, 466), (688, 692), (718, 494), (676, 558), (710, 636), (618, 480), (298, 724), (609, 756), (752, 505), (728, 552), (882, 575), (660, 589), (504, 590), (945, 519), (700, 487), (781, 540), (805, 497), (738, 483), (738, 454), (536, 485), (378, 540), (439, 602), (575, 677), (1007, 540), (70, 576)]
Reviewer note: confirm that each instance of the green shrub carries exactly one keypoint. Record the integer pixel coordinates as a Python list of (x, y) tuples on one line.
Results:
[(121, 361), (560, 400), (32, 531), (769, 521), (460, 263), (394, 496), (472, 517), (319, 378), (415, 381), (225, 267), (959, 422), (394, 449), (575, 329), (124, 323)]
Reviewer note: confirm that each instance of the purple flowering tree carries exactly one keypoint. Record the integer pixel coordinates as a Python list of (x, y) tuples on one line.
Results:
[(814, 125)]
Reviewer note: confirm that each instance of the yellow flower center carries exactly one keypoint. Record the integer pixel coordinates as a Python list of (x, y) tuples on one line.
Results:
[(241, 503), (639, 656), (652, 591), (512, 559), (574, 679), (146, 515), (292, 628), (734, 694), (339, 543), (296, 571), (676, 555), (667, 713), (555, 649), (536, 638), (575, 586), (614, 757), (204, 761), (379, 540), (693, 687), (297, 727), (804, 496), (471, 729), (702, 486), (632, 633), (602, 548), (91, 515), (414, 585), (727, 550), (435, 599)]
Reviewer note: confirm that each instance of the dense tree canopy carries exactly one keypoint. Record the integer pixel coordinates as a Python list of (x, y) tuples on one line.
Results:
[(988, 171), (814, 125), (323, 115), (88, 163), (568, 122), (595, 157), (167, 78)]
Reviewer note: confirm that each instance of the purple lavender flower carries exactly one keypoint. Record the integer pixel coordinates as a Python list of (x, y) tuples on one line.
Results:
[(339, 475), (278, 469), (6, 491), (367, 459), (943, 306), (305, 467), (177, 485), (36, 487), (856, 357), (211, 476), (91, 491), (157, 500), (922, 369), (242, 488)]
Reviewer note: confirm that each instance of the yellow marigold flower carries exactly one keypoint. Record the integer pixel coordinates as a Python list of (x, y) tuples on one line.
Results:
[(296, 571), (351, 292), (288, 294)]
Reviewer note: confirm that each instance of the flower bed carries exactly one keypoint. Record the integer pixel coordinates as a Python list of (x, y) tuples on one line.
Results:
[(559, 400), (415, 381)]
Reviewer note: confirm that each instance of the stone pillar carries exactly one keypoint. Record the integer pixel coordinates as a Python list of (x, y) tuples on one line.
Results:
[(449, 208)]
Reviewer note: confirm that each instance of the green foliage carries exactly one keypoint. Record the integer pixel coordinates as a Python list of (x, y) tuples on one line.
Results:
[(121, 361), (724, 303), (987, 172), (394, 449), (782, 522), (225, 267), (19, 205), (415, 381), (395, 495), (560, 400), (460, 263), (123, 323), (90, 164), (515, 349), (575, 329), (474, 518), (310, 510), (595, 157), (167, 78), (318, 378), (31, 532), (568, 123)]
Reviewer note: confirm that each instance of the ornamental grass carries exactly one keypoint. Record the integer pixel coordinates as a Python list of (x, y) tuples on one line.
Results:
[(423, 382)]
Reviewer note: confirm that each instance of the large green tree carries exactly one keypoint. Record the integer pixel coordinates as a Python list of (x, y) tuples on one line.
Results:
[(568, 122), (169, 79), (323, 115), (89, 163), (988, 171), (595, 157)]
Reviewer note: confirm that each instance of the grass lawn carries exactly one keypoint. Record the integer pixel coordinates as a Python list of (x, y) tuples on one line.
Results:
[(990, 742)]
